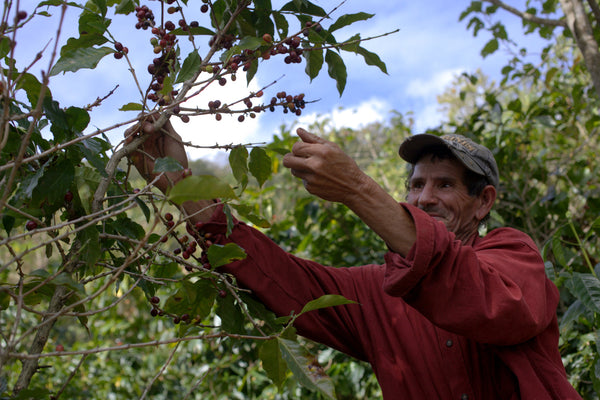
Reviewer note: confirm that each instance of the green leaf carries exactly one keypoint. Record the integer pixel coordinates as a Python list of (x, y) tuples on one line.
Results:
[(166, 164), (90, 251), (273, 362), (489, 48), (92, 23), (238, 161), (77, 59), (260, 165), (305, 368), (200, 187), (246, 212), (4, 46), (56, 181), (131, 107), (198, 30), (314, 63), (32, 87), (219, 255), (371, 59), (586, 287), (304, 7), (328, 300), (125, 7), (190, 66), (349, 19), (232, 318), (336, 69), (575, 310), (194, 298), (281, 23), (84, 41), (65, 279)]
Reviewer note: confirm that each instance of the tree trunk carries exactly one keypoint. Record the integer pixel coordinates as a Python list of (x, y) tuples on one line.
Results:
[(580, 27)]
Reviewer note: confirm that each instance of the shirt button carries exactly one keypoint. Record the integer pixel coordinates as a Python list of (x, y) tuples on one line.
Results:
[(464, 397), (449, 343)]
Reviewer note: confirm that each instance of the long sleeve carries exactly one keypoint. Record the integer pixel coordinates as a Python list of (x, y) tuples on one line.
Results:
[(285, 283), (494, 291)]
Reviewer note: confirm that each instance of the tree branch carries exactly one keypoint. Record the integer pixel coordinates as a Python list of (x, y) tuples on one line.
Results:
[(527, 16)]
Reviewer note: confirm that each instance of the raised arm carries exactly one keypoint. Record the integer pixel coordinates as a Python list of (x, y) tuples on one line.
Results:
[(329, 173), (164, 142)]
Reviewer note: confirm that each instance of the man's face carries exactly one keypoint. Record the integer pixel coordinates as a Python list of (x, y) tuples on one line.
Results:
[(437, 187)]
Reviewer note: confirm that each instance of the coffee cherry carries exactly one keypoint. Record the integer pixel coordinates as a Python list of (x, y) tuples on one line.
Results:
[(185, 118), (118, 56), (154, 312), (118, 46), (68, 197), (21, 15), (204, 8), (267, 38), (31, 225), (170, 224), (241, 118), (169, 217), (60, 347), (222, 293), (154, 300), (169, 25)]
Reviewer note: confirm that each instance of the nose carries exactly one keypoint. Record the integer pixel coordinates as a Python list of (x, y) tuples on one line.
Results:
[(427, 196)]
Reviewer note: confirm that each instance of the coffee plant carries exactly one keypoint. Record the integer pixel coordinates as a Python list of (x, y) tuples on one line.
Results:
[(103, 287)]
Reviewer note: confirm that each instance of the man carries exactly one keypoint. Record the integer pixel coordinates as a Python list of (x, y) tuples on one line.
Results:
[(450, 314)]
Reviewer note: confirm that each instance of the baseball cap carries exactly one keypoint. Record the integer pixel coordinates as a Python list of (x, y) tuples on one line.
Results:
[(475, 157)]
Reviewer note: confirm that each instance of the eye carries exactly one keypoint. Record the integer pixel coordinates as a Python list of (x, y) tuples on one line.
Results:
[(416, 185), (446, 185)]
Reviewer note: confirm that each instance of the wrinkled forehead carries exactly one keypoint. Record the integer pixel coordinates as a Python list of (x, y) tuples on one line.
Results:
[(438, 166)]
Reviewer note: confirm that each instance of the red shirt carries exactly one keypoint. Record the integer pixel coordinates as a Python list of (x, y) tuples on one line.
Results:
[(450, 320)]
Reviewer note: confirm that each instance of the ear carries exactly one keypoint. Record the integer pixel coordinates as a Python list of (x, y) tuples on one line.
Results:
[(486, 201)]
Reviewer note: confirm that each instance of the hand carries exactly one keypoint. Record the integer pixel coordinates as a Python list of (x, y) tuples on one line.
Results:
[(325, 170), (164, 142)]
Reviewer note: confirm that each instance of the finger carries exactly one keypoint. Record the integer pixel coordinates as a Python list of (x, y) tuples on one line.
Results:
[(308, 137), (295, 163)]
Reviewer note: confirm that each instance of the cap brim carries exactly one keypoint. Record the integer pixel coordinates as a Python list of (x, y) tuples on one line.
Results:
[(411, 149)]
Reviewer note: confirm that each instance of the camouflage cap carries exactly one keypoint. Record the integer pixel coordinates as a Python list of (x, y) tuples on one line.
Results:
[(475, 157)]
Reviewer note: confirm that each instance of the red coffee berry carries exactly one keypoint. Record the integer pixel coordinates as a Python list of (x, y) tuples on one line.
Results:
[(118, 56), (154, 300), (154, 312), (169, 25), (31, 225), (169, 217), (204, 8), (69, 196), (118, 46), (267, 38), (21, 15), (222, 293), (60, 347), (241, 118)]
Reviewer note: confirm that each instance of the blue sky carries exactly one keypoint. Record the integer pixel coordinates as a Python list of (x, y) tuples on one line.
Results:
[(430, 48)]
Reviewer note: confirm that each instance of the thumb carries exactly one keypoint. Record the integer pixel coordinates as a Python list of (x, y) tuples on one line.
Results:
[(308, 137)]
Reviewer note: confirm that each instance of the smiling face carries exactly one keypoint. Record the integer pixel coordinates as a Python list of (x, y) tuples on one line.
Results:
[(437, 187)]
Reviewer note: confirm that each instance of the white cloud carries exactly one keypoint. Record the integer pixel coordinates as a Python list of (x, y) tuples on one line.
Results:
[(431, 87), (373, 110), (205, 130)]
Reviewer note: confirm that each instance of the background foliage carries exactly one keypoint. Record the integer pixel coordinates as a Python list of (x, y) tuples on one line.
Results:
[(96, 297)]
